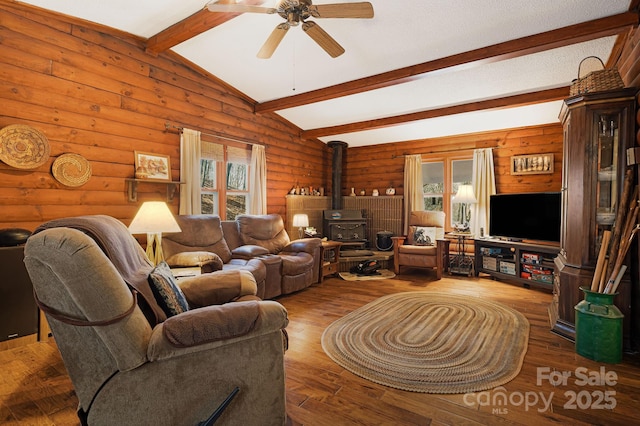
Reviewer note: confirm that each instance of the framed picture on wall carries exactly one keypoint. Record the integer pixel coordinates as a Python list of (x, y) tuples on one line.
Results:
[(152, 166), (531, 164)]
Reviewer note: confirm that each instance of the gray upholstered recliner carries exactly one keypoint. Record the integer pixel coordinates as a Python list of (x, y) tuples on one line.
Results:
[(132, 368)]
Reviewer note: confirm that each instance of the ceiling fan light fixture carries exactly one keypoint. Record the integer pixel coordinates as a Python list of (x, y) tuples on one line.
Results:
[(295, 12), (293, 19)]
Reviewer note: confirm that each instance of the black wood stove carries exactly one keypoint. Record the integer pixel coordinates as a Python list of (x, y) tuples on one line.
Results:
[(346, 226)]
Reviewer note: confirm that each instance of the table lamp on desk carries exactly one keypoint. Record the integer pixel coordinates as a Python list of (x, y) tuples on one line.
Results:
[(300, 221), (154, 218), (464, 196)]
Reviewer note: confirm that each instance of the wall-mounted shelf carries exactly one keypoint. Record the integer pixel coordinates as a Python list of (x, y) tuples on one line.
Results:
[(132, 187)]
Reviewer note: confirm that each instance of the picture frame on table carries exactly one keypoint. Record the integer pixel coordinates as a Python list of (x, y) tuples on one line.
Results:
[(151, 166), (532, 164)]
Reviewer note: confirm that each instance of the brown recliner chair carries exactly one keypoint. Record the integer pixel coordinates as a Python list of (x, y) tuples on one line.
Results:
[(298, 261), (424, 246), (128, 368)]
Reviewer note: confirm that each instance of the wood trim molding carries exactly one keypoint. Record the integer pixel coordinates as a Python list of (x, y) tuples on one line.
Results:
[(511, 101), (190, 27)]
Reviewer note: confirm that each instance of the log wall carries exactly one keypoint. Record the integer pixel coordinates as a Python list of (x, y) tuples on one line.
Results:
[(629, 68), (381, 166), (95, 92), (629, 62)]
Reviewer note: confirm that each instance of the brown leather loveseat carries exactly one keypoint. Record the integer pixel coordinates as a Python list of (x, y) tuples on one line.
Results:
[(202, 243), (258, 243)]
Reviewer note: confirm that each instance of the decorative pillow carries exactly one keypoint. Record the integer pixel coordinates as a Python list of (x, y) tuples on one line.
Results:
[(166, 290), (424, 236)]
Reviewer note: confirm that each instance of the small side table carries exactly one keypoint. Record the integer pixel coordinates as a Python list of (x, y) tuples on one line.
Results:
[(461, 262), (330, 258)]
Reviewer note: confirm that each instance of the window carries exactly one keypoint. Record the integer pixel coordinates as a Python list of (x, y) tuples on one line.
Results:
[(461, 174), (224, 180), (433, 185), (441, 177)]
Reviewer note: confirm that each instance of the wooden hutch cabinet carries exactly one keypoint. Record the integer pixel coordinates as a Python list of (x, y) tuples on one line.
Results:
[(598, 129)]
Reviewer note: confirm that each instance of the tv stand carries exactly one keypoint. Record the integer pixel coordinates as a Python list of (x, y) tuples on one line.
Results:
[(526, 263)]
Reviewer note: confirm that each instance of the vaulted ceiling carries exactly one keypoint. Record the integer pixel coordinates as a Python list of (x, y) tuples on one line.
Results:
[(417, 69)]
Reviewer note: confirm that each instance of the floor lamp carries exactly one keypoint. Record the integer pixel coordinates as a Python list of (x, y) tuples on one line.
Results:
[(464, 196), (154, 218)]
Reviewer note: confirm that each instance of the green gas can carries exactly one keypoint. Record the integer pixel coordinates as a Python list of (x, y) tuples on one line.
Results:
[(599, 327)]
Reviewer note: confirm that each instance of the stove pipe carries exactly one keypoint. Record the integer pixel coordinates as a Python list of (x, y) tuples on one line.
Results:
[(336, 174)]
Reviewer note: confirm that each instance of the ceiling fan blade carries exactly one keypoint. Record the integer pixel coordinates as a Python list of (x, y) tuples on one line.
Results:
[(239, 8), (273, 41), (342, 10), (323, 39)]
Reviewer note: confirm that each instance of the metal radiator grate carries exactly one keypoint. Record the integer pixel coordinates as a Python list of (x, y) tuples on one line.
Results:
[(312, 206), (383, 213)]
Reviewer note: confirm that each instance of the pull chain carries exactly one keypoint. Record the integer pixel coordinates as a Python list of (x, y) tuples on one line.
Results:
[(293, 69)]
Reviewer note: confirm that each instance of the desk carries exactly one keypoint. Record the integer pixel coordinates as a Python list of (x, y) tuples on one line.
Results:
[(461, 262)]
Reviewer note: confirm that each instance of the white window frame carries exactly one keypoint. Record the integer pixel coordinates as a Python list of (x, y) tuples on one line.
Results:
[(447, 160), (220, 192)]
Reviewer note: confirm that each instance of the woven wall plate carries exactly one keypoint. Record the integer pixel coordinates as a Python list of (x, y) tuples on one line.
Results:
[(23, 147), (71, 170)]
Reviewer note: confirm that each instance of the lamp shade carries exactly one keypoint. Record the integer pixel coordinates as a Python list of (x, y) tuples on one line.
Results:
[(300, 220), (465, 195), (154, 217)]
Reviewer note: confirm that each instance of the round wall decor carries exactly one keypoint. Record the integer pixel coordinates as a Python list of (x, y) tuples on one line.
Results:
[(71, 170), (23, 147)]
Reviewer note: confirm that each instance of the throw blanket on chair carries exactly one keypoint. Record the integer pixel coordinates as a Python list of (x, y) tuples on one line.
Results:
[(123, 251)]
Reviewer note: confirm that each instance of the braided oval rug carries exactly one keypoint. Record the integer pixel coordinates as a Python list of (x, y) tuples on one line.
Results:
[(430, 342)]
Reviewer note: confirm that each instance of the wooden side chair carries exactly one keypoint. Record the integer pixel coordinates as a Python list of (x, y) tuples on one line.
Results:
[(425, 245)]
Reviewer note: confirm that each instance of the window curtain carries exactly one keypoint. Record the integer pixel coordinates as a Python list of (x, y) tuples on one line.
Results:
[(258, 181), (413, 196), (190, 148), (484, 185)]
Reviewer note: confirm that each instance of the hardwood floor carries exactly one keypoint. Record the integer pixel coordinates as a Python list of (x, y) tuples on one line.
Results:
[(35, 389)]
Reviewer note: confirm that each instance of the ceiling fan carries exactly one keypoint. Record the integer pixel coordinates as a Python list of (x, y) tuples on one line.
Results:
[(296, 12)]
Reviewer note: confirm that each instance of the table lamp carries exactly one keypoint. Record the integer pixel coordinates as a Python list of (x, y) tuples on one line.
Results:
[(301, 221), (465, 197), (154, 218)]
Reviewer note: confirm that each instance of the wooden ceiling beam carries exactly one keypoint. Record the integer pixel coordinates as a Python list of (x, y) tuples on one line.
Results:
[(507, 101), (190, 27), (577, 33)]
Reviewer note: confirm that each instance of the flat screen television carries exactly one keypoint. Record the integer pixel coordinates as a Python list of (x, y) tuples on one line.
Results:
[(526, 216)]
